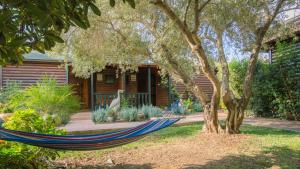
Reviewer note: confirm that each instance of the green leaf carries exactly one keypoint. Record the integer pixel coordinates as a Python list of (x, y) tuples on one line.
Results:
[(131, 3), (112, 3), (77, 21), (56, 38), (95, 9)]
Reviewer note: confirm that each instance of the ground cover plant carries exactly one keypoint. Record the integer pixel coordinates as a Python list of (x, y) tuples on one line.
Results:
[(126, 113)]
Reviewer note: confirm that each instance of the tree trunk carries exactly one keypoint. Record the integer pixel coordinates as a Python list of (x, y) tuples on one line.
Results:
[(211, 122), (235, 116)]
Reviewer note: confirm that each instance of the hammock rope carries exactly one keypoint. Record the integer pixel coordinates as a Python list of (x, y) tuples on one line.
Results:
[(87, 141)]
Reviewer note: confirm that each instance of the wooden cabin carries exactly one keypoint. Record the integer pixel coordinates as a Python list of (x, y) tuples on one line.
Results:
[(141, 87)]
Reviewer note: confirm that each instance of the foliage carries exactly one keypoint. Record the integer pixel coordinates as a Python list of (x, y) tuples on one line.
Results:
[(37, 25), (197, 107), (179, 110), (150, 111), (275, 89), (48, 98), (129, 114), (263, 92), (11, 90), (17, 155), (112, 115), (100, 115), (188, 103), (286, 85), (237, 69), (124, 102)]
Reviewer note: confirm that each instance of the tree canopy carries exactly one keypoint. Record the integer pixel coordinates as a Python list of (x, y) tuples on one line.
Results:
[(37, 25)]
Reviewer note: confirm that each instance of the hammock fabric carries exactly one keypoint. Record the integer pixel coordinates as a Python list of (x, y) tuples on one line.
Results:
[(87, 142)]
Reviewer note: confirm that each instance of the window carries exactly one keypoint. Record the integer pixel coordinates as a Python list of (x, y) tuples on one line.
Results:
[(110, 78)]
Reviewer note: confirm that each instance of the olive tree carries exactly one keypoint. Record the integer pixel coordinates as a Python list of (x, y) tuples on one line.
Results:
[(250, 18)]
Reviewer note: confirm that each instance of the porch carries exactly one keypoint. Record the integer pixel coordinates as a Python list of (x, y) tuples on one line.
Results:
[(141, 87)]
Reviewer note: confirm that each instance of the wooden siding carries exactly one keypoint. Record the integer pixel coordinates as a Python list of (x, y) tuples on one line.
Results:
[(80, 88), (103, 87), (162, 93), (293, 49), (201, 80), (30, 72)]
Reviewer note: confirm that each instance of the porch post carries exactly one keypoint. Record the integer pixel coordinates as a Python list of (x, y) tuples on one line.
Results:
[(169, 90), (1, 78), (149, 84), (67, 72), (124, 81), (92, 91)]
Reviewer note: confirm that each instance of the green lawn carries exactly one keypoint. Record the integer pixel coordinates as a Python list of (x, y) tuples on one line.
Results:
[(262, 148)]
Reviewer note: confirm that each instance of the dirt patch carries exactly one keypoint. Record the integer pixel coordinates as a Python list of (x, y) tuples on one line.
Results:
[(198, 151)]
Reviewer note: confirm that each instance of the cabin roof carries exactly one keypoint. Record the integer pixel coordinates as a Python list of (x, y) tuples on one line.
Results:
[(36, 56)]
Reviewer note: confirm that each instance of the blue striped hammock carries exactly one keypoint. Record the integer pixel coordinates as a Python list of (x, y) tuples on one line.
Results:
[(87, 142)]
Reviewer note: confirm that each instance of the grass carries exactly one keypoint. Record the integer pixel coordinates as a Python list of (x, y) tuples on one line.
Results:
[(263, 148)]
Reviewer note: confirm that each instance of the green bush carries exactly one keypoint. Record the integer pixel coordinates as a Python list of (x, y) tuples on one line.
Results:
[(179, 110), (100, 115), (11, 90), (286, 80), (112, 115), (188, 103), (276, 86), (150, 111), (20, 156), (129, 114), (48, 98), (263, 92), (237, 69), (197, 107)]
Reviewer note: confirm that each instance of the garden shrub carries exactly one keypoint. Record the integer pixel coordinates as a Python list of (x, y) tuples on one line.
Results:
[(276, 86), (179, 110), (129, 114), (20, 156), (237, 69), (124, 102), (188, 103), (112, 115), (11, 90), (100, 115), (48, 98), (197, 107), (151, 111), (286, 85)]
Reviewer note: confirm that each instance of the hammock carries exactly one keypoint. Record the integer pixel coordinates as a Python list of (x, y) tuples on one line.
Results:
[(87, 141)]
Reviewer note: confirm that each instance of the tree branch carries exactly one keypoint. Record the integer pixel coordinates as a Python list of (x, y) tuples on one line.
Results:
[(187, 80), (260, 33), (186, 11)]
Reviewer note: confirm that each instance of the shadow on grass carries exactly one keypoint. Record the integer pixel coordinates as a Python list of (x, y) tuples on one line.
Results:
[(256, 130), (273, 157), (117, 166)]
